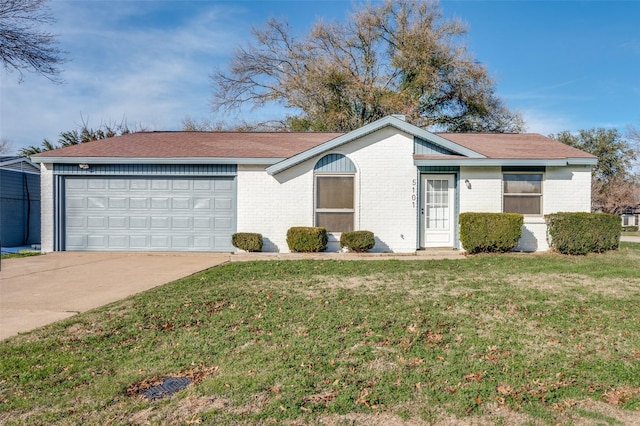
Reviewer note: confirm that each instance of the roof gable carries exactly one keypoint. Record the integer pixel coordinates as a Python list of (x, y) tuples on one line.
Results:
[(389, 121), (20, 164)]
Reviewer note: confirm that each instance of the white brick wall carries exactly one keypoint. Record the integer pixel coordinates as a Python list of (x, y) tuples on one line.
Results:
[(46, 207), (271, 205), (485, 192), (564, 189), (567, 189)]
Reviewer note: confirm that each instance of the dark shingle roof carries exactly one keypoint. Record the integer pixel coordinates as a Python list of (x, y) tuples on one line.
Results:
[(278, 145)]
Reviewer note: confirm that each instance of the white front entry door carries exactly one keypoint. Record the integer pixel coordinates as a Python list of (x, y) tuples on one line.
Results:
[(437, 220)]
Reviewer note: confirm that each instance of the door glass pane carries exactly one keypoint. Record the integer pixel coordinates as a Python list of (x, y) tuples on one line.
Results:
[(334, 192), (437, 204)]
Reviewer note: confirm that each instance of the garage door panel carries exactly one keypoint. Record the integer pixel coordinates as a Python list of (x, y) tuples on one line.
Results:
[(224, 204), (181, 222), (222, 185), (138, 203), (202, 185), (181, 203), (180, 185), (117, 213), (160, 203), (223, 223), (202, 203), (96, 222), (76, 242), (202, 241), (76, 183), (138, 184), (160, 184), (97, 241), (117, 203), (160, 222), (138, 241), (118, 241), (76, 221), (97, 184), (96, 203), (182, 241), (76, 202), (115, 184), (160, 241), (138, 222), (118, 222)]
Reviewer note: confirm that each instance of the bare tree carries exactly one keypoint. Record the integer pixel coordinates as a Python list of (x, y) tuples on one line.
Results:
[(6, 147), (615, 196), (395, 57), (614, 186), (24, 45)]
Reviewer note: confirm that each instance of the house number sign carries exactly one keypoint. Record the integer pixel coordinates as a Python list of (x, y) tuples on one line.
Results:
[(414, 195)]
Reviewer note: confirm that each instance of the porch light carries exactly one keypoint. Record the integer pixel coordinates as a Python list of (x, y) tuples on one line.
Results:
[(83, 166), (466, 182)]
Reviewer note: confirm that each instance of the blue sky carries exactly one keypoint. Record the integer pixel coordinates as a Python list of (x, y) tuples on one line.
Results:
[(565, 65)]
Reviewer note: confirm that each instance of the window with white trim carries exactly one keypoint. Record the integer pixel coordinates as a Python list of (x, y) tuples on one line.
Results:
[(522, 193), (334, 202)]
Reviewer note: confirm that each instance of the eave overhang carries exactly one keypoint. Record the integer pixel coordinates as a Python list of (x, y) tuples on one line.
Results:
[(156, 160), (494, 162)]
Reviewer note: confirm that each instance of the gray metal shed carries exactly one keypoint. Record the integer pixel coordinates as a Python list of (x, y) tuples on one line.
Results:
[(19, 202)]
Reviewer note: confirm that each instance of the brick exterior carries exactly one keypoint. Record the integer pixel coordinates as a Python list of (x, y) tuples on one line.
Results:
[(387, 201), (383, 195)]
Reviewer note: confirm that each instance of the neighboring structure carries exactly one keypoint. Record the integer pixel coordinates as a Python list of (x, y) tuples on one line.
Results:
[(192, 190), (19, 202), (631, 216)]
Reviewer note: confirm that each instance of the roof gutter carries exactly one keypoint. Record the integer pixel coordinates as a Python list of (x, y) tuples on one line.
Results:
[(488, 162), (156, 160)]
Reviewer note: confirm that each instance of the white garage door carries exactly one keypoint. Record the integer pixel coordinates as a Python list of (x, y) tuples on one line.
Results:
[(139, 214)]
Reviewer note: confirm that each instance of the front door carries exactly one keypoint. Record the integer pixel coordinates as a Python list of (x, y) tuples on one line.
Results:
[(437, 220)]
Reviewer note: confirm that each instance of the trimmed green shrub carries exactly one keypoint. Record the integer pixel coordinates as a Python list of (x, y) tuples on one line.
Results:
[(582, 233), (307, 239), (490, 232), (630, 228), (358, 241), (247, 241)]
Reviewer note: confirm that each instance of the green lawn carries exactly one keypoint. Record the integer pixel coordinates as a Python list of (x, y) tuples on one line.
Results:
[(21, 253), (489, 339)]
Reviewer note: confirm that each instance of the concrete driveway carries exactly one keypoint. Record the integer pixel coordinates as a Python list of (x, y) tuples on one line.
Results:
[(39, 290)]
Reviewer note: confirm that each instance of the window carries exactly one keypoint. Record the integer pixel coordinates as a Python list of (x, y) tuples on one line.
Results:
[(522, 193), (335, 202)]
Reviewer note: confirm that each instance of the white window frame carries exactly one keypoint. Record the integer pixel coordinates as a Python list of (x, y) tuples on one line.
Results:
[(317, 210), (526, 194)]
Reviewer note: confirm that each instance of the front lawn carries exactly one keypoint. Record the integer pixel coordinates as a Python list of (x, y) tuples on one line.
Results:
[(507, 339)]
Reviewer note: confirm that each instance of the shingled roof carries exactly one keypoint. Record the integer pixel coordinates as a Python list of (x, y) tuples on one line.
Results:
[(515, 145), (290, 148), (196, 145)]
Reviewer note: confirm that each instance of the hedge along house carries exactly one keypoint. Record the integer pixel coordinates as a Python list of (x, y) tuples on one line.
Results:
[(191, 190)]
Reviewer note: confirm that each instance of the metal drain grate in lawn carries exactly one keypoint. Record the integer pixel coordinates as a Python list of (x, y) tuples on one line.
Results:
[(169, 386)]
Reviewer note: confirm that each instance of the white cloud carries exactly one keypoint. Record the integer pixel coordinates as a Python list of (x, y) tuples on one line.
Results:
[(122, 65), (544, 123)]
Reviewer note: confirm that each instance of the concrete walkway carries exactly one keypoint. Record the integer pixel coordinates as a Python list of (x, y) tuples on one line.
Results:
[(39, 290), (630, 239)]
